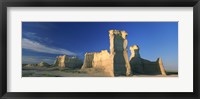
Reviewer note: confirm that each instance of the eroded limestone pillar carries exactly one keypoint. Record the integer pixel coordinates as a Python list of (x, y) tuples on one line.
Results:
[(60, 61), (118, 50)]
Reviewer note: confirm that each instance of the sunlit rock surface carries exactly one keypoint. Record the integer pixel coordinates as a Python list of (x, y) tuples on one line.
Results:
[(67, 62), (100, 61)]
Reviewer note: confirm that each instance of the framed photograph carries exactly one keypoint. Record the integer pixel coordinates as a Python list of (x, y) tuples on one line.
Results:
[(90, 49)]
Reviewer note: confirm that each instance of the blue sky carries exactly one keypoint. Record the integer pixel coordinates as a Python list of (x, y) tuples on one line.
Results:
[(43, 41)]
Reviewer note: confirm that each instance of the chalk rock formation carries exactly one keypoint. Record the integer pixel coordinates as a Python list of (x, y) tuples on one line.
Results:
[(100, 61), (116, 62), (118, 51), (88, 60), (30, 65), (68, 62), (143, 66), (41, 64)]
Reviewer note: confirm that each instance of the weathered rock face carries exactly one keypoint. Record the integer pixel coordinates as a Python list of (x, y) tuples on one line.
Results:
[(60, 61), (68, 62), (100, 61), (88, 60), (41, 64), (142, 66), (118, 50)]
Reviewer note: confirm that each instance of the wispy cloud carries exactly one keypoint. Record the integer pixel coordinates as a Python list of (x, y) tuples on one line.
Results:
[(38, 47), (34, 36), (37, 59)]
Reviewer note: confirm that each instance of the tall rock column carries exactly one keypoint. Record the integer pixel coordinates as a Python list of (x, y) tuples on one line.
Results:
[(118, 50), (60, 61)]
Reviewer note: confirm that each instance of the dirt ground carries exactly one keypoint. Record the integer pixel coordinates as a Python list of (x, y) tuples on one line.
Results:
[(56, 72)]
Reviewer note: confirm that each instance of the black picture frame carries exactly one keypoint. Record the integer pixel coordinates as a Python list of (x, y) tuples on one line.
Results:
[(99, 3)]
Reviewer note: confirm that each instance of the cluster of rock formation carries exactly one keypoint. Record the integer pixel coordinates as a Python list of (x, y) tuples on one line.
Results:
[(113, 63), (61, 62), (41, 64), (68, 62), (116, 62)]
